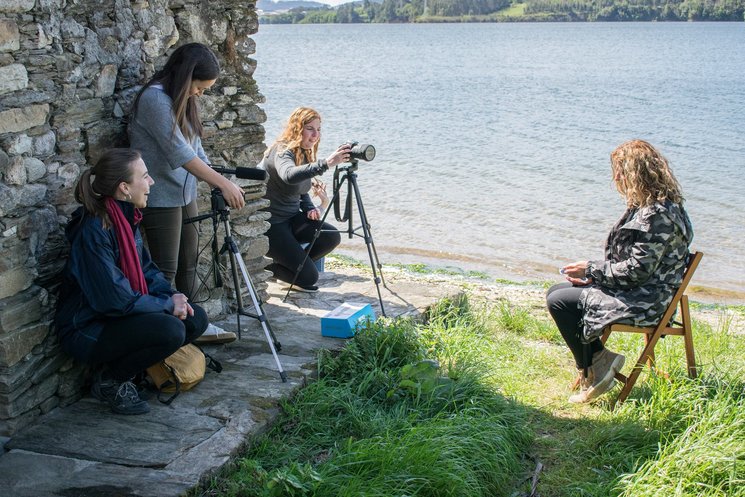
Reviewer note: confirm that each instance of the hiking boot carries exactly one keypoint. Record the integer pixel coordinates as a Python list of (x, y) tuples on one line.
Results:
[(599, 380), (214, 335), (122, 397)]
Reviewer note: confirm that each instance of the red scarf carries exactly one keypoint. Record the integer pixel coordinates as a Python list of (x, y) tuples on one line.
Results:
[(129, 262)]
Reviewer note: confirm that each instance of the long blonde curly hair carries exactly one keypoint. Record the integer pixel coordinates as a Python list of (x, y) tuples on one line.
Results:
[(642, 175), (292, 136)]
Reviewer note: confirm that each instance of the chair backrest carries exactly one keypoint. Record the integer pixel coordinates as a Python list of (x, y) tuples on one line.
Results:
[(693, 259)]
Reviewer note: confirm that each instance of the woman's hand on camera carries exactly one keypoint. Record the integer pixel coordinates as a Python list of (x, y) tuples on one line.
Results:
[(314, 214), (181, 307), (233, 194), (340, 155)]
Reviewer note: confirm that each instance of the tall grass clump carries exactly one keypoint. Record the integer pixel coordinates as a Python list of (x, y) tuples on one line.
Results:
[(701, 423), (704, 455), (398, 411)]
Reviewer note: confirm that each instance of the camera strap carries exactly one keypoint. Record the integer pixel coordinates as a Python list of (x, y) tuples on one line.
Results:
[(337, 199)]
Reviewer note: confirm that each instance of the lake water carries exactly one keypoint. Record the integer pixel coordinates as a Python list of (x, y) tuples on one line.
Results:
[(493, 140)]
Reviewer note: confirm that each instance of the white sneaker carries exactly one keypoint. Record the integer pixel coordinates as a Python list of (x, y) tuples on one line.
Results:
[(214, 334)]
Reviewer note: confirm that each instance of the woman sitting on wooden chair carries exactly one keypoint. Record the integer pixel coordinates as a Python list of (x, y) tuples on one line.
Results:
[(645, 257)]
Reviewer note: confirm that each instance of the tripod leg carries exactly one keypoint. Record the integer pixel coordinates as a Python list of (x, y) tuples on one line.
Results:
[(238, 297), (316, 234), (270, 338), (368, 235), (371, 252)]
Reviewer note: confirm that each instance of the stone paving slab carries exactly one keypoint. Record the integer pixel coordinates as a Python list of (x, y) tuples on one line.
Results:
[(85, 450)]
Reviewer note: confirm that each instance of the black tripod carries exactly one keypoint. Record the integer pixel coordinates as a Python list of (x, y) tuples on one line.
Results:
[(221, 211), (348, 174)]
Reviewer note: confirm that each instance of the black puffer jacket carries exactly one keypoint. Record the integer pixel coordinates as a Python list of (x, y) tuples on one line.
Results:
[(94, 289)]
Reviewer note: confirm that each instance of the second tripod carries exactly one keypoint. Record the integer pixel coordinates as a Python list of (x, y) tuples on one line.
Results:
[(348, 174), (221, 213)]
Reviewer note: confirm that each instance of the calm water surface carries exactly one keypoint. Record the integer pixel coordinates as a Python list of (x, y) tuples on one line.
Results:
[(493, 140)]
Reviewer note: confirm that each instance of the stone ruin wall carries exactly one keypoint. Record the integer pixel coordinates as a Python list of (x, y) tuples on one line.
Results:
[(69, 70)]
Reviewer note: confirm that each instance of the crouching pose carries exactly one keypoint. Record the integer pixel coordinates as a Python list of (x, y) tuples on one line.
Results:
[(645, 257), (116, 310), (291, 164)]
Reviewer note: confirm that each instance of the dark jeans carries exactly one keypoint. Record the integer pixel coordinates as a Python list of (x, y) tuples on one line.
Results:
[(287, 254), (563, 305), (130, 345), (173, 246)]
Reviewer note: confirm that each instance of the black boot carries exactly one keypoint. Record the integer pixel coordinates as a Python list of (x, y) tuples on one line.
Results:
[(122, 397)]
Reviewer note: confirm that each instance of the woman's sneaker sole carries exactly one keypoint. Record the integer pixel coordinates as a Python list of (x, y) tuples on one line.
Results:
[(304, 289)]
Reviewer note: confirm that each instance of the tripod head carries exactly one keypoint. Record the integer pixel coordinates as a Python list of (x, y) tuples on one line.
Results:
[(349, 167), (217, 201), (218, 206)]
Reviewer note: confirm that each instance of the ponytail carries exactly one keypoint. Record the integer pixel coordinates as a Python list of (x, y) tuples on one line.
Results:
[(103, 179)]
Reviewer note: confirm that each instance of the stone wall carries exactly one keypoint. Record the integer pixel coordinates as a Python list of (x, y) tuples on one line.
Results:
[(69, 70)]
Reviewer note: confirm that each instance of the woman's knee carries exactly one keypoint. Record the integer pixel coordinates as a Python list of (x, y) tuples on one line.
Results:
[(171, 331), (199, 321), (552, 298), (308, 275), (557, 297), (334, 238)]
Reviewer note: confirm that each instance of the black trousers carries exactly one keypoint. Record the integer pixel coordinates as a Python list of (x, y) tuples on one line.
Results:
[(563, 305), (130, 345), (287, 254)]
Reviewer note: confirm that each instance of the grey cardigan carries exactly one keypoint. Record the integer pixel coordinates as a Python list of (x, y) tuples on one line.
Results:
[(288, 184), (153, 131)]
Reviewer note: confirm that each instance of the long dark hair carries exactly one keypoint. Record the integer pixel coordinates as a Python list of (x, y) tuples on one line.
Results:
[(193, 61), (114, 166)]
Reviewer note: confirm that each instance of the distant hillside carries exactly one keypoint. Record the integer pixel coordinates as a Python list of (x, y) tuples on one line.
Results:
[(285, 5), (507, 11)]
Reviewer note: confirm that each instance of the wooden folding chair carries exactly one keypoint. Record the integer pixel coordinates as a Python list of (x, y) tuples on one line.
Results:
[(653, 334)]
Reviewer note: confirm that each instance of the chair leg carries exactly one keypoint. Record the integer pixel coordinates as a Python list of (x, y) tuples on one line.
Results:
[(636, 371), (651, 359), (688, 337)]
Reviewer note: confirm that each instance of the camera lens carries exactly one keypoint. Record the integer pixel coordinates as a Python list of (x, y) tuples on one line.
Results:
[(362, 151)]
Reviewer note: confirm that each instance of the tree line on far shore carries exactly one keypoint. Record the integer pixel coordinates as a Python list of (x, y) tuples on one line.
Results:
[(400, 11)]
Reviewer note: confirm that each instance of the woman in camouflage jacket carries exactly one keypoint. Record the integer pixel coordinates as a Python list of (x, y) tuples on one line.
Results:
[(645, 257)]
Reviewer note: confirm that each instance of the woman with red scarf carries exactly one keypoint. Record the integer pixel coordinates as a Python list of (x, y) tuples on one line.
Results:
[(116, 309)]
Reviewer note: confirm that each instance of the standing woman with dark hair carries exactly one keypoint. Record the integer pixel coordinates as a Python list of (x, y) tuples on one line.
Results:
[(645, 257), (165, 127), (291, 163), (115, 307)]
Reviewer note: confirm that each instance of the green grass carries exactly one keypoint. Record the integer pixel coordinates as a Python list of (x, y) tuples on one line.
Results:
[(466, 404)]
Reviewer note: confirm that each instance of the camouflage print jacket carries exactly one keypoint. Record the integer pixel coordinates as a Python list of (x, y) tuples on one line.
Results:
[(645, 257)]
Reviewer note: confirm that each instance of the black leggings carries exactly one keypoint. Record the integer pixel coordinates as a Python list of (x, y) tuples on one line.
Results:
[(130, 345), (287, 254), (563, 305)]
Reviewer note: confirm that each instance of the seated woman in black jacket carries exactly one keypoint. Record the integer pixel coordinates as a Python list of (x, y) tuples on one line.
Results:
[(115, 308)]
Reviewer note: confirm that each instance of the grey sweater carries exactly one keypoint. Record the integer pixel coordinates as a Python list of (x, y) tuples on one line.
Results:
[(164, 149), (288, 184)]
